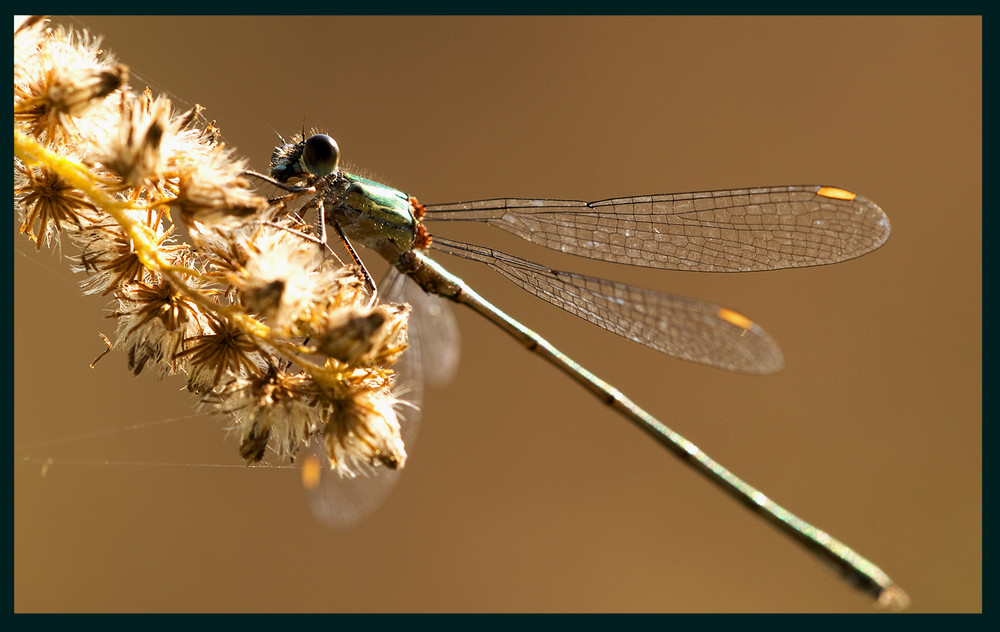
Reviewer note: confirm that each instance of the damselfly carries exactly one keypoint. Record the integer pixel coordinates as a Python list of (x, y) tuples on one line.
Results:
[(737, 230)]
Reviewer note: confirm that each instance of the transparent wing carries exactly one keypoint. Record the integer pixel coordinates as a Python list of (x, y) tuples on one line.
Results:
[(734, 230), (682, 327), (433, 330), (431, 358), (343, 503)]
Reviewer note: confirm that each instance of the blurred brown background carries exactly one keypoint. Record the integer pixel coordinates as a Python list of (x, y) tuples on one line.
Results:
[(523, 493)]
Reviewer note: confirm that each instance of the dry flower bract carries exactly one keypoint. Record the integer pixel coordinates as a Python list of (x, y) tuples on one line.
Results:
[(266, 325)]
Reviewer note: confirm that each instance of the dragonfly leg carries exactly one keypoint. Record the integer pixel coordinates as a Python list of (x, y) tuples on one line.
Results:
[(357, 260), (280, 185)]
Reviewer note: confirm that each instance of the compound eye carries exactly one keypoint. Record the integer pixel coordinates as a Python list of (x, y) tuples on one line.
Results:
[(321, 155)]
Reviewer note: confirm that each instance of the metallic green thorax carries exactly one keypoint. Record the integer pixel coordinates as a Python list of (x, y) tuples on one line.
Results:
[(372, 214)]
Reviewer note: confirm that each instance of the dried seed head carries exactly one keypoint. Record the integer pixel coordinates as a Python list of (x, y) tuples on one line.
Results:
[(223, 352), (212, 190), (362, 431), (364, 336), (272, 407), (137, 154), (154, 322), (61, 81), (276, 259), (45, 199)]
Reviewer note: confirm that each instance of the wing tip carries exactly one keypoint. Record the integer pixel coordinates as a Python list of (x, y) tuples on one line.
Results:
[(872, 215)]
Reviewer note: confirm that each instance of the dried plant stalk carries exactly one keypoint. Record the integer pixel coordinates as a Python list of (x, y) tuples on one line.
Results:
[(266, 324)]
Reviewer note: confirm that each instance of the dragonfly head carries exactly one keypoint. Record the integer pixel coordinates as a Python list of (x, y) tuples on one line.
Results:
[(317, 156)]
